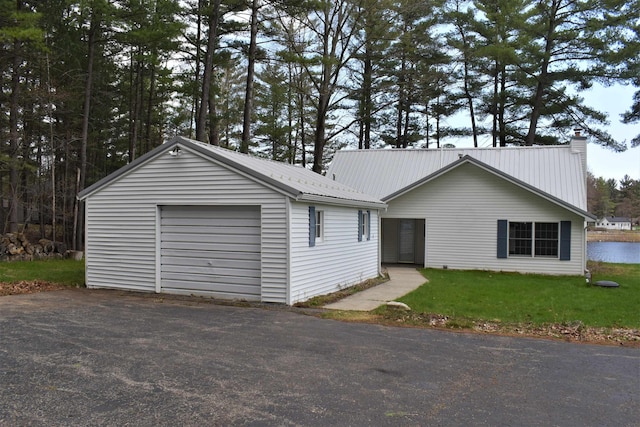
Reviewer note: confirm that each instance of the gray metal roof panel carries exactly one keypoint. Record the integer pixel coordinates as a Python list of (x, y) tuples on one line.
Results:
[(554, 170)]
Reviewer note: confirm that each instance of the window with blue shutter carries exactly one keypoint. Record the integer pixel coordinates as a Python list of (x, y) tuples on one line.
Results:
[(565, 240), (503, 238), (360, 226), (368, 225), (312, 226)]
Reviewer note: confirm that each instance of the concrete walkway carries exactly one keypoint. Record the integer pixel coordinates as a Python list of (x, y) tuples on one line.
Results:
[(402, 280)]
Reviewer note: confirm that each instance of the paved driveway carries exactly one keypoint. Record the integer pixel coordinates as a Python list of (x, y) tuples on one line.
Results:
[(106, 358)]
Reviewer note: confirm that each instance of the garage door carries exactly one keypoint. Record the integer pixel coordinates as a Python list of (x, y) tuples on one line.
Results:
[(211, 250)]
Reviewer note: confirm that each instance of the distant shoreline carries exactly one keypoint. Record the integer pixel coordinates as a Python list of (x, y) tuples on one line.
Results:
[(613, 236)]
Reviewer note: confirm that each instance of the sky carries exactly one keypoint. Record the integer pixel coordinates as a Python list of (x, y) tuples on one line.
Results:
[(604, 162)]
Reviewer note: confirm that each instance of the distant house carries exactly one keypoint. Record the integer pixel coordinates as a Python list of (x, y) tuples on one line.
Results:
[(191, 218), (514, 209), (614, 223)]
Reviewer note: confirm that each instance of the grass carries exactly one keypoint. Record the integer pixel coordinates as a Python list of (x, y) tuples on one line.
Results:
[(61, 271), (511, 298)]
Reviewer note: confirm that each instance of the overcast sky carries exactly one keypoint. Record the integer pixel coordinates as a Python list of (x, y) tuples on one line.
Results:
[(606, 163)]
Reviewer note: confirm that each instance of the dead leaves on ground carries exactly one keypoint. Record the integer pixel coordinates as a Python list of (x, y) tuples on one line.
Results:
[(28, 287)]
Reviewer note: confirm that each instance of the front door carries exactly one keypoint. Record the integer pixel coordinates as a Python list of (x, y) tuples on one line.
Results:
[(406, 242)]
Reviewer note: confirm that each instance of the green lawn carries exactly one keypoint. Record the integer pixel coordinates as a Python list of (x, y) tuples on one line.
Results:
[(536, 299), (62, 271)]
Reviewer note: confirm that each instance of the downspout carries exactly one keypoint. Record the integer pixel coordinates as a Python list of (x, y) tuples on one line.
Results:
[(587, 273)]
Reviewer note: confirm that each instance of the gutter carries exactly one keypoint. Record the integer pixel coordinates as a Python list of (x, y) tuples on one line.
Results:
[(314, 198)]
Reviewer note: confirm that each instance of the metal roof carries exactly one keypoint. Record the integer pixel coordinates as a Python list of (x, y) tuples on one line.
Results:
[(552, 170), (296, 182)]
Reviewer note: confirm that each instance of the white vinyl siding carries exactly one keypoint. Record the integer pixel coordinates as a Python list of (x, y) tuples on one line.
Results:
[(461, 209), (121, 224), (336, 262)]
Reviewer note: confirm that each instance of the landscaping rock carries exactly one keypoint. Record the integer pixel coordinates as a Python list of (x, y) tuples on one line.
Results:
[(398, 305)]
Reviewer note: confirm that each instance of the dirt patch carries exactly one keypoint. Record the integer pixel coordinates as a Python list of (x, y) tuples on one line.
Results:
[(31, 287), (573, 332)]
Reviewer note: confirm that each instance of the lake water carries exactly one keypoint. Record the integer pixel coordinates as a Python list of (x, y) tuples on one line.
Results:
[(622, 252)]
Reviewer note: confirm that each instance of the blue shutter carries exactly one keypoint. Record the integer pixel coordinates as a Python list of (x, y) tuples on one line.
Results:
[(503, 238), (312, 226), (368, 225), (359, 226), (565, 240)]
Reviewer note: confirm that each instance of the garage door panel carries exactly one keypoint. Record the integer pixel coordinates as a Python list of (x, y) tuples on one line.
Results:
[(195, 212), (233, 247), (221, 290), (219, 237), (215, 282), (174, 226), (214, 250), (171, 261), (211, 273), (208, 255)]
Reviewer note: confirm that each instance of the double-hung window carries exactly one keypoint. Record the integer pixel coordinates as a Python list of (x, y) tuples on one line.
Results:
[(534, 239), (538, 239)]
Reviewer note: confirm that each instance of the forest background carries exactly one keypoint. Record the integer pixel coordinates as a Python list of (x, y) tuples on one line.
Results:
[(88, 86)]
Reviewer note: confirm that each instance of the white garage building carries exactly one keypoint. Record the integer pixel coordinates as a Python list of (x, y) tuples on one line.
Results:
[(191, 218)]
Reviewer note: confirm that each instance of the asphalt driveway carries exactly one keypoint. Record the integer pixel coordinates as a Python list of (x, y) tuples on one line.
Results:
[(83, 357)]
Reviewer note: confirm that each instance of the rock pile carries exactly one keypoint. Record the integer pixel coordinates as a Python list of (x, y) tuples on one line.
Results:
[(16, 247)]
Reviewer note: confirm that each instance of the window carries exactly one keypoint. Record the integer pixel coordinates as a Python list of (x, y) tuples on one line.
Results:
[(533, 239), (520, 238), (546, 243), (319, 225), (364, 225), (316, 225)]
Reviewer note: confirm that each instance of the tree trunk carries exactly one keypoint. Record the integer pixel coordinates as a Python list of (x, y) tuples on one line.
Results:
[(502, 106), (248, 99), (401, 102), (14, 108), (303, 129), (367, 89), (494, 106), (319, 138), (86, 109), (205, 100), (541, 86), (152, 94)]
